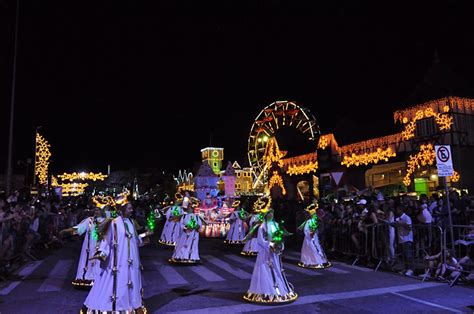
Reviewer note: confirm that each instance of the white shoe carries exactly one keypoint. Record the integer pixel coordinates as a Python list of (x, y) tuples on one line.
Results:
[(409, 273)]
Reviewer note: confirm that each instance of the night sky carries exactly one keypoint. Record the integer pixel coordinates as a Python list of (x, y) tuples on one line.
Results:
[(150, 85)]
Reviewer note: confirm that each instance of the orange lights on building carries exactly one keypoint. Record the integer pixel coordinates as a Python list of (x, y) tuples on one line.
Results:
[(368, 158), (276, 179), (426, 156)]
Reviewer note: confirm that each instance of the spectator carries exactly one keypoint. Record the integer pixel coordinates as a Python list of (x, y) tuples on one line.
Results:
[(403, 224)]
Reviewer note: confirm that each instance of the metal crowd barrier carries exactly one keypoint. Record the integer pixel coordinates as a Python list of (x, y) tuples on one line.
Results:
[(349, 240), (428, 239)]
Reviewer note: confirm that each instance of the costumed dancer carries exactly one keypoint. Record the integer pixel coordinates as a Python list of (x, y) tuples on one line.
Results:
[(87, 270), (269, 284), (118, 288), (251, 246), (172, 228), (236, 232), (312, 254), (186, 250)]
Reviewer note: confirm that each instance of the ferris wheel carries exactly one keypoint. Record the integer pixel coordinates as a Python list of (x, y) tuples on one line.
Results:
[(273, 117)]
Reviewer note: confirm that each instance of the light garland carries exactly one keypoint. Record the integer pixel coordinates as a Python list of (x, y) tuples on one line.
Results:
[(426, 156), (42, 159), (443, 120), (370, 145), (368, 158), (273, 153), (455, 177), (82, 176), (323, 142), (302, 169), (453, 104), (276, 179), (73, 189), (54, 181)]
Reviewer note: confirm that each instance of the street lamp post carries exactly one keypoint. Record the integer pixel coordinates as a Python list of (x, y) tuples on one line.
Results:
[(12, 106)]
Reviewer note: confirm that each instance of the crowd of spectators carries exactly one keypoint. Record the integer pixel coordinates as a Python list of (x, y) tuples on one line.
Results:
[(30, 225), (375, 228)]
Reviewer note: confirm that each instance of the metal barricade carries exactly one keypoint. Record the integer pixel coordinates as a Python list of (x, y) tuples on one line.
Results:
[(349, 240), (427, 240), (463, 240)]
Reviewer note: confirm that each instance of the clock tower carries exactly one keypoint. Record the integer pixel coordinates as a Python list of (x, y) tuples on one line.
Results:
[(213, 156)]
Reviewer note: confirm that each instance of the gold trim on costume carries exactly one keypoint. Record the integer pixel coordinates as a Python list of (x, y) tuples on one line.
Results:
[(248, 253), (140, 310), (270, 299), (183, 261), (233, 242), (167, 243), (317, 266), (82, 283)]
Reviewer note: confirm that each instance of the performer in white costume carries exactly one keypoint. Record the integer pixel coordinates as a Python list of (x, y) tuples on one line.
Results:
[(187, 248), (172, 228), (118, 288), (87, 269), (312, 254)]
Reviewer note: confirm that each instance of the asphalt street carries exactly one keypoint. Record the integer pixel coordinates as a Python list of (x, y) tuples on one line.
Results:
[(218, 284)]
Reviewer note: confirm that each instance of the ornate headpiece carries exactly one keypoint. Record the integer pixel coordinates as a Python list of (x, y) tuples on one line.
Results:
[(178, 197), (100, 201), (122, 198), (312, 208), (194, 202), (262, 205)]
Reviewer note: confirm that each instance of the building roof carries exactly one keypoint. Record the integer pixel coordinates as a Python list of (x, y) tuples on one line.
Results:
[(229, 170), (439, 81), (205, 170)]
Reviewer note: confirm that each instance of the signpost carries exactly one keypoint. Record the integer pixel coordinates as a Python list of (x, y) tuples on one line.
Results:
[(444, 163)]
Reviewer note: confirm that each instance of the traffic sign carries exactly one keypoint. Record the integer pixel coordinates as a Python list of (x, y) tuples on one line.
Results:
[(444, 161)]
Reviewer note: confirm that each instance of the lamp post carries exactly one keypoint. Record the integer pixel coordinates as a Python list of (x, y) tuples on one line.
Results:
[(12, 106)]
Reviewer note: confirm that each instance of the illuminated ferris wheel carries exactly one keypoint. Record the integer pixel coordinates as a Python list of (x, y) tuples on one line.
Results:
[(273, 117)]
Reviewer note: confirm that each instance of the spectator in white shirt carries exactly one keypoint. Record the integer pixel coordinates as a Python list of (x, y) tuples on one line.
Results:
[(403, 225)]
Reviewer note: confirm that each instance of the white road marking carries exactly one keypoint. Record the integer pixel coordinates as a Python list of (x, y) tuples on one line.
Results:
[(238, 272), (427, 303), (24, 272), (56, 277), (353, 267), (206, 274), (171, 276), (244, 307), (306, 271)]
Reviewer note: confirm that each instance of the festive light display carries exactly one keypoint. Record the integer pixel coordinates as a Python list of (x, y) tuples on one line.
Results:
[(73, 189), (439, 109), (455, 177), (313, 223), (323, 142), (426, 156), (368, 158), (42, 155), (150, 220), (54, 181), (276, 179), (302, 169), (443, 105), (273, 153), (371, 145), (82, 176), (273, 117)]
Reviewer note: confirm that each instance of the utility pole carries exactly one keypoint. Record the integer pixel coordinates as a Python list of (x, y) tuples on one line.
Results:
[(12, 105)]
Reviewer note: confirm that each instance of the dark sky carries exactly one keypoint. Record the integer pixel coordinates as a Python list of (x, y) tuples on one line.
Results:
[(149, 85)]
